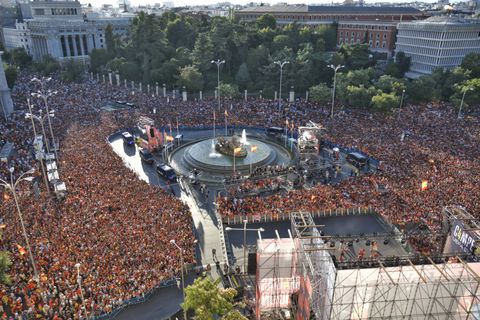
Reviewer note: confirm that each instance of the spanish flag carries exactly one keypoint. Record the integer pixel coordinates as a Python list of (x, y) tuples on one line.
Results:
[(169, 138), (253, 149), (237, 150), (3, 226), (424, 185), (6, 196), (21, 250), (226, 113)]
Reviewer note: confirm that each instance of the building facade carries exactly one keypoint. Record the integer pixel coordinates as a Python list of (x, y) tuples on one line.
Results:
[(437, 42), (17, 37), (373, 25), (60, 29)]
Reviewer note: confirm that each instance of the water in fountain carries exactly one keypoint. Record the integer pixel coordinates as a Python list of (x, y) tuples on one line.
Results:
[(243, 140), (213, 152)]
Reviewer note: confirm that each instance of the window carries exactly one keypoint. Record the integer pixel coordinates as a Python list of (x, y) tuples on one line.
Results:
[(384, 36), (376, 44), (384, 44)]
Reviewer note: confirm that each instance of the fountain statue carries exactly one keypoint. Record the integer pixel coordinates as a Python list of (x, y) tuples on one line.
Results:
[(243, 140), (228, 146)]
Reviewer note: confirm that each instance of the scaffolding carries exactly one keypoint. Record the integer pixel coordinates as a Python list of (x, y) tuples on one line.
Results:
[(402, 287)]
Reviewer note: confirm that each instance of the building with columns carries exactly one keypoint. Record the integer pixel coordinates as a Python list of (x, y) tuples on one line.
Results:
[(437, 42), (60, 29), (6, 103)]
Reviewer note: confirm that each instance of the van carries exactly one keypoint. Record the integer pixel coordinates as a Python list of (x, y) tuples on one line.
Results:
[(166, 172), (146, 156), (128, 138)]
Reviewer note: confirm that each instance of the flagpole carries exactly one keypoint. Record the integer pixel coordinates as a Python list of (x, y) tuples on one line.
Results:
[(286, 132), (178, 132), (214, 124), (226, 131), (234, 164)]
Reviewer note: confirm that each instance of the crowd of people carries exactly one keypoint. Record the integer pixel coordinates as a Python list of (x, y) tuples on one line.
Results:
[(118, 228)]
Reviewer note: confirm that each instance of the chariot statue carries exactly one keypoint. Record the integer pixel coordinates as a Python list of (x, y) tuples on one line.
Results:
[(228, 147)]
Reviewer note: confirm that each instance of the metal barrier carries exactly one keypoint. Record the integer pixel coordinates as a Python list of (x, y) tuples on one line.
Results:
[(284, 216), (135, 300)]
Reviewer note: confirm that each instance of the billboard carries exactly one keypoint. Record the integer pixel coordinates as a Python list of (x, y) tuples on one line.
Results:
[(464, 240)]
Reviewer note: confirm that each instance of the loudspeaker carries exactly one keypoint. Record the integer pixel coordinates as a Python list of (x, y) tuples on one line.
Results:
[(252, 263)]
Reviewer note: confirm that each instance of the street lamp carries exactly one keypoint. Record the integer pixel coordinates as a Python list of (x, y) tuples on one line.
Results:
[(244, 229), (45, 95), (183, 279), (218, 63), (12, 186), (401, 104), (463, 98), (335, 69), (79, 282), (281, 64), (31, 116)]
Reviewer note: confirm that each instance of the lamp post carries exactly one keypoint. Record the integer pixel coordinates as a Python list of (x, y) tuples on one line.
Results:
[(218, 63), (183, 279), (244, 229), (45, 95), (12, 186), (281, 64), (463, 98), (335, 69), (79, 282), (401, 105), (31, 116)]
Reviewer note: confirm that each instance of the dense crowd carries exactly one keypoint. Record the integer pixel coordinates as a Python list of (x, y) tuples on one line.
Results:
[(118, 227)]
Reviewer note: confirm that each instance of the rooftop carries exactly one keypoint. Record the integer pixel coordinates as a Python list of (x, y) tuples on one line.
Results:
[(334, 9)]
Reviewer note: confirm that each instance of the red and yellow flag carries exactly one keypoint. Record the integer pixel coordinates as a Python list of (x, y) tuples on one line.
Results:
[(226, 113), (21, 250), (424, 185), (253, 149), (237, 150), (169, 138)]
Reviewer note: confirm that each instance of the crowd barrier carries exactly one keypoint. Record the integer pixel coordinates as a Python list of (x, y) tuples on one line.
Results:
[(238, 219), (136, 300)]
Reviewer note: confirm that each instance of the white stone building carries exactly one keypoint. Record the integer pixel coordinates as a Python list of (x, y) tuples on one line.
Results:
[(60, 29), (437, 42), (17, 37)]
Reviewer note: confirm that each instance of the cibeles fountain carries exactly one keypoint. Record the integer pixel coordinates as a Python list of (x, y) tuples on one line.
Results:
[(215, 158)]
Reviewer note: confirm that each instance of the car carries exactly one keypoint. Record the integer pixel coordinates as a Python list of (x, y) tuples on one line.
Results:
[(166, 172), (146, 156), (131, 105), (357, 159), (128, 138)]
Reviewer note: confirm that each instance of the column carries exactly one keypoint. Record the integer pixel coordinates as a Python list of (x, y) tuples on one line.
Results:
[(75, 52), (82, 48), (110, 78), (306, 95), (98, 77), (184, 94), (103, 78), (292, 95), (140, 86), (276, 96), (117, 76), (133, 85), (261, 92), (201, 95), (216, 94), (148, 88), (125, 81), (156, 88), (246, 94), (164, 90)]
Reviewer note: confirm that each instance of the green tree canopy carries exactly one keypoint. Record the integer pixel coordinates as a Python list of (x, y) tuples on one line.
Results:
[(207, 299), (321, 93), (21, 58), (47, 65), (242, 78), (385, 102), (190, 78), (10, 75), (72, 71), (472, 62), (228, 90), (267, 21)]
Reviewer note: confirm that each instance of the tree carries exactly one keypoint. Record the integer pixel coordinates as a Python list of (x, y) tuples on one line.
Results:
[(242, 78), (180, 33), (207, 299), (72, 71), (389, 84), (422, 89), (21, 58), (267, 21), (471, 88), (385, 101), (190, 78), (47, 65), (354, 56), (10, 75), (400, 66), (228, 90), (5, 264), (472, 62), (110, 40), (234, 315), (328, 35), (360, 97), (321, 93), (98, 59), (202, 53)]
